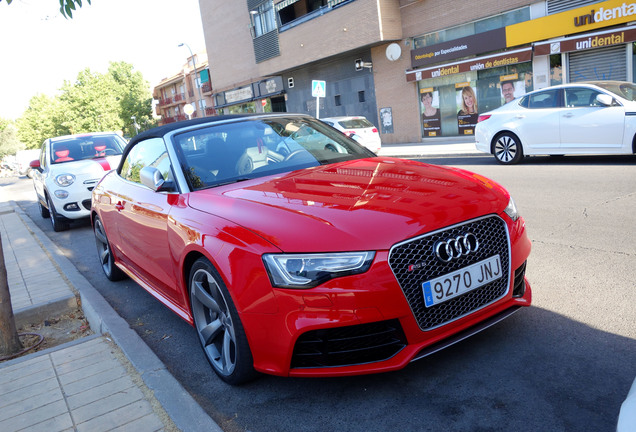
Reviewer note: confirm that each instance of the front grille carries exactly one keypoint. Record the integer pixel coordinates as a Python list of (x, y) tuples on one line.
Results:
[(414, 262), (350, 345)]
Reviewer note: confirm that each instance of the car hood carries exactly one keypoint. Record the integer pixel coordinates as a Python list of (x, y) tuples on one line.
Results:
[(365, 204), (87, 168)]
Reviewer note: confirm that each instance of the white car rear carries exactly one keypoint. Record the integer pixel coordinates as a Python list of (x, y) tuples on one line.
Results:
[(359, 128)]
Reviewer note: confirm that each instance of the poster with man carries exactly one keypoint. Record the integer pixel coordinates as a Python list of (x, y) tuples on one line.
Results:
[(467, 113), (511, 87), (429, 107)]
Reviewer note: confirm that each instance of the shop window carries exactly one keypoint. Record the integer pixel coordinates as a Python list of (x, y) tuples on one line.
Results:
[(361, 97), (556, 72), (337, 101)]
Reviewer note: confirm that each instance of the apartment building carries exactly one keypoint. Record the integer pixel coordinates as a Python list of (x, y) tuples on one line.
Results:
[(422, 70), (187, 94)]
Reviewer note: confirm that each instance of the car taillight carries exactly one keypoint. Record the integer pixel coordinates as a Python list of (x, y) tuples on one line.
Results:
[(483, 117), (349, 133), (374, 130)]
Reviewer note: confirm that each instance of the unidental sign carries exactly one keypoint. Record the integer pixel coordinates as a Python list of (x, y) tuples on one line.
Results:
[(606, 14), (616, 36)]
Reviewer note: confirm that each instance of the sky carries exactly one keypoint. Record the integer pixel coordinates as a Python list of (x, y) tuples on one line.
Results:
[(40, 49)]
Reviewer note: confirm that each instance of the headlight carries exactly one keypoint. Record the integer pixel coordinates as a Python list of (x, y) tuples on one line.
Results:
[(310, 270), (65, 179), (511, 210)]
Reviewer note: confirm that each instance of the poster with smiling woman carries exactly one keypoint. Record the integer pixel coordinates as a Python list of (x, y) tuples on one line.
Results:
[(467, 111), (431, 121)]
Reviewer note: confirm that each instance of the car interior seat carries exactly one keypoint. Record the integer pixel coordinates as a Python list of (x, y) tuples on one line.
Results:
[(61, 153)]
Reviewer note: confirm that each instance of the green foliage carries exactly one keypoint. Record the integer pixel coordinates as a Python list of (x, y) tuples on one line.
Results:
[(66, 6), (9, 141), (95, 102), (36, 124)]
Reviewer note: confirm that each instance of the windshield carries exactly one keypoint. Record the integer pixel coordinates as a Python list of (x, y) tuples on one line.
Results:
[(251, 148), (85, 147), (624, 90)]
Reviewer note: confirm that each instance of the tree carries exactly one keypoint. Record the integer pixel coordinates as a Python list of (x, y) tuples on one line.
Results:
[(91, 104), (36, 123), (9, 142), (9, 339), (66, 6), (135, 99)]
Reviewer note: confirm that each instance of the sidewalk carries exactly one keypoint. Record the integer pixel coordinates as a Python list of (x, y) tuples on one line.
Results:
[(107, 381), (437, 148)]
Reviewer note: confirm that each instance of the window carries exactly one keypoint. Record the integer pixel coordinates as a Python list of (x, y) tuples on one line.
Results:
[(361, 97), (545, 99), (337, 101), (151, 152), (263, 19), (580, 97)]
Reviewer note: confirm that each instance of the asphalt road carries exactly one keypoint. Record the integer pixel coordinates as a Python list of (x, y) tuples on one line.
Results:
[(564, 364)]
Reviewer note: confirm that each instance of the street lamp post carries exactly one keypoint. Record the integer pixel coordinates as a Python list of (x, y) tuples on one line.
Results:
[(194, 63)]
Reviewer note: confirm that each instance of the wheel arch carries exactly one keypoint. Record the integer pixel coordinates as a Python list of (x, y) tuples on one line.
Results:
[(500, 133)]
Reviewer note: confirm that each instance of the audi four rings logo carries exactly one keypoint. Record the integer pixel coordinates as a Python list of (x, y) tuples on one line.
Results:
[(448, 250)]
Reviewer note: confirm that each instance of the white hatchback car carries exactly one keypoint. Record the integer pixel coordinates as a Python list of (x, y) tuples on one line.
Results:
[(582, 118), (68, 169), (358, 128)]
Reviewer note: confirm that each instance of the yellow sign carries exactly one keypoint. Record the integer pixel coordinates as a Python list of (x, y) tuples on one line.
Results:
[(591, 17)]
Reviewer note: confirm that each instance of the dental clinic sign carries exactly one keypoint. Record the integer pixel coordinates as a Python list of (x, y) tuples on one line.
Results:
[(595, 17), (606, 14)]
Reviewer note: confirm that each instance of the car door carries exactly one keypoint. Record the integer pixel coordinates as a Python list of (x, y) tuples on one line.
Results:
[(538, 125), (143, 219), (587, 126)]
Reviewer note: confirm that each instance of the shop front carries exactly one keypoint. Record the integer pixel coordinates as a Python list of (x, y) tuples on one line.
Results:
[(266, 95), (524, 55), (451, 96)]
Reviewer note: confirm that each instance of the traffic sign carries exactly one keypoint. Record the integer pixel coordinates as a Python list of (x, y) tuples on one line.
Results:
[(318, 88)]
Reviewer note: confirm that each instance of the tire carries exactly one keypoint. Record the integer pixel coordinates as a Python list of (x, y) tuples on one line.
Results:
[(44, 212), (218, 325), (105, 253), (56, 220), (507, 149)]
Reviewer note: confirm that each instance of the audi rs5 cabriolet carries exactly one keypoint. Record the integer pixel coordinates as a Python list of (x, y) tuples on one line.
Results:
[(308, 257)]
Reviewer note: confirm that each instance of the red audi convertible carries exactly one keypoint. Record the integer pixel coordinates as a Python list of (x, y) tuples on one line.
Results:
[(294, 251)]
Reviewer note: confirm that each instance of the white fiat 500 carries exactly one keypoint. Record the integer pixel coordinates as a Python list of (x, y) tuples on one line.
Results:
[(68, 169)]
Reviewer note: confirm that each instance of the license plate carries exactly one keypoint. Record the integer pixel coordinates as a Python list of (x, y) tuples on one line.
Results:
[(461, 281)]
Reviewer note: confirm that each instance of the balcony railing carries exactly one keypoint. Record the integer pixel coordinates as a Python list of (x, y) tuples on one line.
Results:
[(210, 111), (206, 87)]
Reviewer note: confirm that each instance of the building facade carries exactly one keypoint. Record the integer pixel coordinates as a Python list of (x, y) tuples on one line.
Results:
[(187, 94), (420, 70)]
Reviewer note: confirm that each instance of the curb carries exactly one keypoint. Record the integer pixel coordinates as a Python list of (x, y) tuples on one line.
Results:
[(183, 410)]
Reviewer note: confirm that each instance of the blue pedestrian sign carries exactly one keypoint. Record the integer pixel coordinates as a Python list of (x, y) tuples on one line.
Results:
[(318, 88)]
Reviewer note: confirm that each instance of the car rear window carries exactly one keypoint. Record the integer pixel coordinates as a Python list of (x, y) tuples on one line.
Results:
[(359, 123)]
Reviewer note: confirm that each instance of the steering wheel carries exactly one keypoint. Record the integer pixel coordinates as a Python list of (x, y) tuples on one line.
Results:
[(110, 151), (294, 154)]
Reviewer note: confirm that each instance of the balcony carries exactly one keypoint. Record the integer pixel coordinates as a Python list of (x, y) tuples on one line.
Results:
[(206, 87), (209, 111)]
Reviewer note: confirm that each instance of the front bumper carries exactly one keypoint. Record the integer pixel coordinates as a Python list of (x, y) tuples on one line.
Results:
[(73, 202), (366, 324)]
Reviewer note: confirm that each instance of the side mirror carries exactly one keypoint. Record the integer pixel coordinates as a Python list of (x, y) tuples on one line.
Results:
[(35, 164), (151, 178), (604, 100)]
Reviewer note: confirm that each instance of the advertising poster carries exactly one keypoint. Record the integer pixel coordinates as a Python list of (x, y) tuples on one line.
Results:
[(429, 107), (386, 116), (511, 87), (467, 110)]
